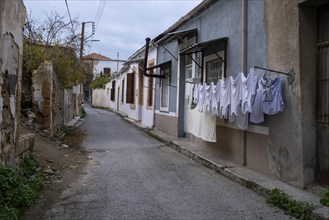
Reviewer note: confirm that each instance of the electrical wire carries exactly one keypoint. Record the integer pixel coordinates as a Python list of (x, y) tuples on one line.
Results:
[(99, 13), (98, 16), (68, 10)]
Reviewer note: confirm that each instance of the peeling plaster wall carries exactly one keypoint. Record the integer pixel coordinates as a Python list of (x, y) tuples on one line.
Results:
[(12, 15), (291, 44)]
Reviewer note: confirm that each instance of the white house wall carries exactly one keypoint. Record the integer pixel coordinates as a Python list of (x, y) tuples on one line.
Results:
[(148, 112), (101, 97), (113, 104), (128, 108), (99, 65)]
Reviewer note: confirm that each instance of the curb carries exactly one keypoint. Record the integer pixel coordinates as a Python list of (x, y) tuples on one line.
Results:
[(225, 171)]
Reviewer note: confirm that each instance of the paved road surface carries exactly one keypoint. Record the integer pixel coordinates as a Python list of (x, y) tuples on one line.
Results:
[(133, 176)]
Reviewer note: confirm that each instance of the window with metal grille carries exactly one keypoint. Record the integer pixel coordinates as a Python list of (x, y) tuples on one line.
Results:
[(165, 83), (323, 65)]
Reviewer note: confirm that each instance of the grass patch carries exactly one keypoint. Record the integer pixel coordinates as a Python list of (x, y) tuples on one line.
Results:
[(298, 209), (83, 113), (324, 200), (19, 188), (154, 136)]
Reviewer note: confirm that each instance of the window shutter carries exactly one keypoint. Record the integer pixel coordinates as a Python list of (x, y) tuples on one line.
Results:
[(150, 92), (122, 90), (130, 82)]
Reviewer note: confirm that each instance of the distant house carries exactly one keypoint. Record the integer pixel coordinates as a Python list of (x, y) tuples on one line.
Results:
[(101, 65), (136, 91)]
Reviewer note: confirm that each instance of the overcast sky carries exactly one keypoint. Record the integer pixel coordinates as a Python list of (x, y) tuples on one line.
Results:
[(123, 25)]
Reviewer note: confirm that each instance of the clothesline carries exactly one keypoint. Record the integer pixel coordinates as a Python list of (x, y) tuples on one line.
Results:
[(241, 99), (291, 74)]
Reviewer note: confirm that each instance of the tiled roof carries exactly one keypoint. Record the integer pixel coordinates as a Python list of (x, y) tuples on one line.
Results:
[(96, 56)]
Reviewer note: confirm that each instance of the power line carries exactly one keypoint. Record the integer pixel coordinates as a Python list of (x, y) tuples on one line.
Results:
[(98, 16), (99, 13), (68, 10)]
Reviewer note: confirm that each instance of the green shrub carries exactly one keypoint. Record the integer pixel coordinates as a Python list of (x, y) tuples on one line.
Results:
[(325, 198), (293, 207), (19, 188), (99, 82), (83, 113)]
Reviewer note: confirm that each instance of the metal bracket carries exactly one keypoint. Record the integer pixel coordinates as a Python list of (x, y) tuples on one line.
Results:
[(290, 74)]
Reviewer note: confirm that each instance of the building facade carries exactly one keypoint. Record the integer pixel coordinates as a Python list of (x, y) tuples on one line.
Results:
[(221, 39)]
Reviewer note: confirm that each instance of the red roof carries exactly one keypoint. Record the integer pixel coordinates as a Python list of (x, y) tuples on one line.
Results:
[(96, 56)]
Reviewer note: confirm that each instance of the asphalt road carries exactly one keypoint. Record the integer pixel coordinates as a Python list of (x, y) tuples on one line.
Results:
[(133, 176)]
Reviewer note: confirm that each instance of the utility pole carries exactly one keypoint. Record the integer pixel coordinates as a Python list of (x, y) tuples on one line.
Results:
[(82, 40)]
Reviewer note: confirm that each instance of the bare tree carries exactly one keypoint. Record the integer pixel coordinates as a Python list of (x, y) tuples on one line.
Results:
[(55, 39)]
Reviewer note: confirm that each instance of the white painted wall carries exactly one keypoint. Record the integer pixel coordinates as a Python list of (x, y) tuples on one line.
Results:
[(127, 108), (101, 97), (148, 113), (99, 65)]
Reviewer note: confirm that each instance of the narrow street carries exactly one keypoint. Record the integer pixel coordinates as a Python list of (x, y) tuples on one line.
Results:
[(132, 176)]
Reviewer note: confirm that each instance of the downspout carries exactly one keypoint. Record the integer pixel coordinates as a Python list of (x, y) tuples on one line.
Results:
[(145, 61), (244, 70)]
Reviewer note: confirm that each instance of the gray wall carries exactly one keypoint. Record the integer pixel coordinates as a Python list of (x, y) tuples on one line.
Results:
[(162, 57)]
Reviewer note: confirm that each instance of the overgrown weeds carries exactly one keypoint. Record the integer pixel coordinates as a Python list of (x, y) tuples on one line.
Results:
[(293, 207), (325, 198), (83, 113), (19, 188), (73, 137)]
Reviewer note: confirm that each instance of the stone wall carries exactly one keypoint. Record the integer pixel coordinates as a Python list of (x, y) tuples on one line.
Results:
[(12, 15), (52, 104)]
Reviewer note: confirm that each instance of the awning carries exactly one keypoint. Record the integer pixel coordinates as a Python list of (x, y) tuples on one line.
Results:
[(172, 36), (160, 64), (212, 45)]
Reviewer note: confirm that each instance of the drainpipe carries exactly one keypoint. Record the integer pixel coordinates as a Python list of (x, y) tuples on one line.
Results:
[(244, 70), (145, 61)]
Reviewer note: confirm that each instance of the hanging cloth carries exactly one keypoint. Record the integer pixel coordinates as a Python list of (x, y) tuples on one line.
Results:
[(273, 101), (201, 88), (257, 115), (215, 98), (249, 92), (196, 93), (225, 97)]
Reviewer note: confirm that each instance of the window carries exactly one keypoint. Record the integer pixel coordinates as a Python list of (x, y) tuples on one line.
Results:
[(165, 82), (130, 98), (107, 72), (322, 110), (113, 91), (150, 87), (214, 68), (188, 66)]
